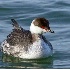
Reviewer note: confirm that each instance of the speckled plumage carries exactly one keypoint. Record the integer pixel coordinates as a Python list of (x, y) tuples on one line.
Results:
[(24, 44), (19, 37)]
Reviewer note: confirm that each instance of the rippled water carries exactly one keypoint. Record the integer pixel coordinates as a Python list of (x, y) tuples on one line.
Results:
[(24, 11)]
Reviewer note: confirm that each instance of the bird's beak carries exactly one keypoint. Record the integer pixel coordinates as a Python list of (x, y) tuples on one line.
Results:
[(51, 31)]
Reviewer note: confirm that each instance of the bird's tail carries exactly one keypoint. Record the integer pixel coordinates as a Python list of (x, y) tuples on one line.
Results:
[(15, 24)]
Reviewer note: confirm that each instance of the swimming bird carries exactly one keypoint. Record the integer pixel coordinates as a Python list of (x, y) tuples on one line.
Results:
[(29, 44)]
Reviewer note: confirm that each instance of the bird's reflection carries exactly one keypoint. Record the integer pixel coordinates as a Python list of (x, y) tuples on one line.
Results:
[(14, 62)]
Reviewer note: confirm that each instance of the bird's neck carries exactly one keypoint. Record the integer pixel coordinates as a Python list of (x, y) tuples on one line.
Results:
[(36, 36)]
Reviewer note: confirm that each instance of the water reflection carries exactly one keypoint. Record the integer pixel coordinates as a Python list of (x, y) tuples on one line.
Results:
[(13, 62)]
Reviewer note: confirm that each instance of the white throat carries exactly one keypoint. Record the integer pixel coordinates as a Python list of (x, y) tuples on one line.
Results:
[(35, 29)]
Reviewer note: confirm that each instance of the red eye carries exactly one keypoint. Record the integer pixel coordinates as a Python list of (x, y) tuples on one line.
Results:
[(43, 27)]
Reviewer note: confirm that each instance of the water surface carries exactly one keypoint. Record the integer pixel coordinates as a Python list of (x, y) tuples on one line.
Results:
[(24, 11)]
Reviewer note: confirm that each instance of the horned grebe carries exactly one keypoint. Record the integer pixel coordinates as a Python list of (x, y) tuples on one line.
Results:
[(29, 44)]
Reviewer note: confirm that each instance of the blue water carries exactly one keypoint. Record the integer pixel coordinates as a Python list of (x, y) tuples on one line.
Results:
[(24, 11)]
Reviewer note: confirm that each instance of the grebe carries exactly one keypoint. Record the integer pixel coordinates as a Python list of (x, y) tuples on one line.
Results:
[(29, 44)]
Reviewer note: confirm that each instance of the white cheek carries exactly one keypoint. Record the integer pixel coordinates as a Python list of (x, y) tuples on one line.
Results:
[(35, 29), (38, 30)]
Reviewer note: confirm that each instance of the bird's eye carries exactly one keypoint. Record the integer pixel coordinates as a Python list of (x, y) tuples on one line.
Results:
[(42, 27)]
